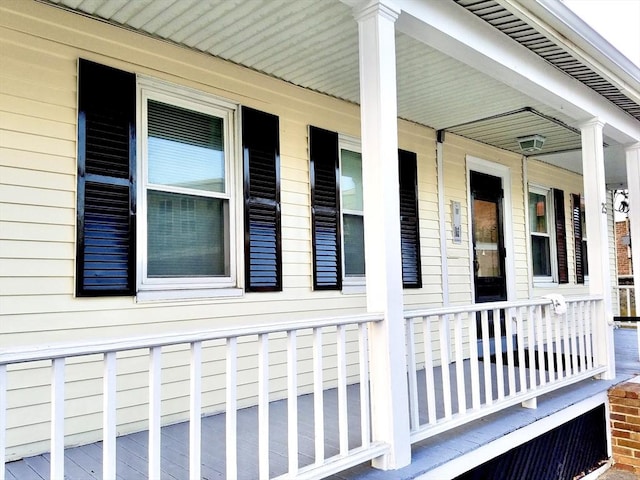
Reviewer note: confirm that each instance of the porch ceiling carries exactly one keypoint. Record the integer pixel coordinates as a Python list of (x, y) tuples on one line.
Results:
[(314, 44)]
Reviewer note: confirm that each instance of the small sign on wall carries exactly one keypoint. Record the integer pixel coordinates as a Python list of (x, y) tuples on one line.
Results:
[(457, 224)]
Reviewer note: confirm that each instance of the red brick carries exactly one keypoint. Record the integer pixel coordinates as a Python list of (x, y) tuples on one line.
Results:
[(617, 392), (624, 466), (626, 426), (632, 419), (622, 451), (618, 416), (623, 442), (632, 394), (616, 433), (625, 409), (629, 402)]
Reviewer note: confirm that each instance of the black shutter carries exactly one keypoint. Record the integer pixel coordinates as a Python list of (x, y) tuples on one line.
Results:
[(262, 244), (576, 213), (105, 263), (409, 225), (561, 236), (325, 209)]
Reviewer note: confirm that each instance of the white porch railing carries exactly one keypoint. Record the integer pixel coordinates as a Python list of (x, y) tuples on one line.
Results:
[(627, 301), (487, 357), (333, 334)]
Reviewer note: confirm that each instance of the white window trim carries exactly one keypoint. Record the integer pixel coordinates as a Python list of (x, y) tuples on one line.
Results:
[(544, 280), (350, 284), (158, 289)]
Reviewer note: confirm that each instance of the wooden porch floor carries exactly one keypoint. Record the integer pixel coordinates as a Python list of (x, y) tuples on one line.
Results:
[(84, 463)]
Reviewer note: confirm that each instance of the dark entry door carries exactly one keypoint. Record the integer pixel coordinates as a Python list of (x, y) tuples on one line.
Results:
[(490, 283), (489, 277)]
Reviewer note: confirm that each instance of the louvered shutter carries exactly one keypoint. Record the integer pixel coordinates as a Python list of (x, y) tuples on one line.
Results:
[(263, 251), (409, 225), (325, 209), (576, 213), (561, 236), (106, 181)]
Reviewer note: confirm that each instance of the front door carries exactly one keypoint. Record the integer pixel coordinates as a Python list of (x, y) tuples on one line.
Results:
[(489, 277)]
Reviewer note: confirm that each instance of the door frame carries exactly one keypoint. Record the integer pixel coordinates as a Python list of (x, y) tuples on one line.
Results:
[(503, 172)]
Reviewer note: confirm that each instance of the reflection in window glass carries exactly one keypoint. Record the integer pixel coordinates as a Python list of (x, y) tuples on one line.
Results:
[(185, 236), (353, 245), (185, 148), (352, 214)]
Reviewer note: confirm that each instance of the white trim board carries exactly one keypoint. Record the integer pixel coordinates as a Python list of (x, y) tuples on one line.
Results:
[(491, 450)]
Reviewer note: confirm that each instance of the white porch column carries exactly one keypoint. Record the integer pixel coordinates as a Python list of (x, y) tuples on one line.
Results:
[(633, 185), (595, 199), (378, 117)]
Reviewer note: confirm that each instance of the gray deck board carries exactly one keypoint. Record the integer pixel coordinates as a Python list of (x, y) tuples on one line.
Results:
[(84, 463)]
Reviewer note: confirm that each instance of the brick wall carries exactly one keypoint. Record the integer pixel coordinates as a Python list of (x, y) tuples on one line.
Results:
[(624, 401), (624, 262)]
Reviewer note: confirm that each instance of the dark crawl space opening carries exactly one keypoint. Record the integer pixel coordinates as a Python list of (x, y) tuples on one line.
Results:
[(564, 453)]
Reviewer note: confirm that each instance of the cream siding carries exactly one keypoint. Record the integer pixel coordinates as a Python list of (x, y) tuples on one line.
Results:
[(40, 45)]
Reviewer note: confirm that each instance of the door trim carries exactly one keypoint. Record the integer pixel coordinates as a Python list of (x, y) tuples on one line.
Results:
[(502, 171)]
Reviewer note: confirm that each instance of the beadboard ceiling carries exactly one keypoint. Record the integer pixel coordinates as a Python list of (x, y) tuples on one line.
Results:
[(314, 44)]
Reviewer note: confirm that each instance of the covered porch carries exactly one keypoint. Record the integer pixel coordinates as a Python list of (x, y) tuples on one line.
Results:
[(460, 415), (426, 376)]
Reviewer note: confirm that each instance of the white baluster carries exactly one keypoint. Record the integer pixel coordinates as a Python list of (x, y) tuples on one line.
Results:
[(414, 417), (292, 401), (318, 395), (109, 416), (195, 412), (155, 403), (231, 405), (263, 406), (57, 418)]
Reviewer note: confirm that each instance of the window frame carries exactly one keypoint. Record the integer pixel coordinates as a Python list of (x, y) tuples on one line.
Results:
[(544, 280), (183, 97), (352, 144)]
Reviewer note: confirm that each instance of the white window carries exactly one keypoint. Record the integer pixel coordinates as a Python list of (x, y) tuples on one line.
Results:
[(352, 211), (541, 230), (186, 226)]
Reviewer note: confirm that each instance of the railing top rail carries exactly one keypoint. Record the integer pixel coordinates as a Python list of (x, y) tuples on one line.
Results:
[(29, 353), (479, 307)]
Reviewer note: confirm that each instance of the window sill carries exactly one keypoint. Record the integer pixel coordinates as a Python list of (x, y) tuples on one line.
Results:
[(545, 284), (353, 289), (161, 295)]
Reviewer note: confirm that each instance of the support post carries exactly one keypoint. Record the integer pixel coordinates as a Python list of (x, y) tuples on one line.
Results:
[(378, 117), (595, 199), (633, 187)]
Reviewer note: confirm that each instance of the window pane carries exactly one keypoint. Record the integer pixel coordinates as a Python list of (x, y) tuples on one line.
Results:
[(541, 256), (187, 236), (351, 180), (538, 212), (185, 148), (585, 258), (353, 246)]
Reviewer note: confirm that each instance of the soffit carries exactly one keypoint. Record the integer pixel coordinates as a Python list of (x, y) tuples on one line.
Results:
[(314, 44), (517, 29)]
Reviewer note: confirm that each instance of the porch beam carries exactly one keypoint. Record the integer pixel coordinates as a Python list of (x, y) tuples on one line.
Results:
[(595, 199), (633, 185), (379, 130)]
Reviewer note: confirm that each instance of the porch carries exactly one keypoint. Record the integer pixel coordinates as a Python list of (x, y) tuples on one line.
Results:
[(453, 412)]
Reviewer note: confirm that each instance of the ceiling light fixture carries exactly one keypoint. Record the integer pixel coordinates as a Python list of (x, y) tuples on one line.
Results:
[(531, 143)]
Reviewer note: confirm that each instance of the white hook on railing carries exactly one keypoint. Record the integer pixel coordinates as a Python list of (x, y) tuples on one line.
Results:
[(558, 302)]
